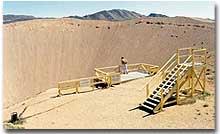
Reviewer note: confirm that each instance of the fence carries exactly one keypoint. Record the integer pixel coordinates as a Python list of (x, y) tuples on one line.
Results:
[(106, 75), (83, 82), (140, 67)]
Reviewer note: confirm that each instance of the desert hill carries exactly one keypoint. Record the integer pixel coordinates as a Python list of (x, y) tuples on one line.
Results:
[(39, 53), (111, 15), (156, 15), (114, 15), (13, 18), (10, 18)]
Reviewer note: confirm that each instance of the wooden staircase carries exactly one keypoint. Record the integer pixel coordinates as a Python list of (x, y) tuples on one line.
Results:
[(169, 80), (165, 88)]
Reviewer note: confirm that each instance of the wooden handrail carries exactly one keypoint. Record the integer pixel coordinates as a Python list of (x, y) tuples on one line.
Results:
[(186, 48), (181, 56), (150, 65), (74, 80), (167, 62), (100, 71), (170, 66), (111, 67), (129, 65), (161, 72), (161, 69), (199, 50)]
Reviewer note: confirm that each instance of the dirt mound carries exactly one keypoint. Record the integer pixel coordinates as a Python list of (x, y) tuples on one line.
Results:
[(39, 53)]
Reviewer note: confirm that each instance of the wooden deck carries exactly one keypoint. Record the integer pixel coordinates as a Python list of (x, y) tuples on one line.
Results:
[(133, 76)]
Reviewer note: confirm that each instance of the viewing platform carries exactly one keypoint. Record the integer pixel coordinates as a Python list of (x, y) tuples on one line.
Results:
[(108, 76)]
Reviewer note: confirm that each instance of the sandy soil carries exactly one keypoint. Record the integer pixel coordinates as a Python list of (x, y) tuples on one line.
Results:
[(111, 109), (114, 108), (39, 53)]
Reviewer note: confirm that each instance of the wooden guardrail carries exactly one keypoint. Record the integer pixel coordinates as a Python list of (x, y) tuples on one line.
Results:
[(160, 75), (146, 68), (82, 82), (105, 75), (181, 56)]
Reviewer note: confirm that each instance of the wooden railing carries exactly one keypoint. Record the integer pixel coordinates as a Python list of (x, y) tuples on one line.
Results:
[(182, 55), (194, 56), (108, 75), (142, 67), (82, 82), (160, 75)]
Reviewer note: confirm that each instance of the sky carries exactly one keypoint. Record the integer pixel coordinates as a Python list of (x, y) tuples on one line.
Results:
[(203, 9)]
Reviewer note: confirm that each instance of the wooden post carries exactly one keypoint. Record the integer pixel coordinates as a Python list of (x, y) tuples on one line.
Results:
[(178, 73), (192, 73), (110, 80), (204, 70), (162, 100), (92, 84), (178, 57), (177, 86), (147, 90), (77, 87), (163, 74), (189, 81), (59, 92), (189, 74)]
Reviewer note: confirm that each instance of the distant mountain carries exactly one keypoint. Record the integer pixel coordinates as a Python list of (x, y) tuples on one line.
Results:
[(111, 15), (156, 15), (77, 17), (114, 15), (9, 18), (12, 18)]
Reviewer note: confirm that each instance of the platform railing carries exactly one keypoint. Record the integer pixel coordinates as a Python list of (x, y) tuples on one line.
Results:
[(75, 84), (160, 75), (107, 75), (183, 55), (142, 67)]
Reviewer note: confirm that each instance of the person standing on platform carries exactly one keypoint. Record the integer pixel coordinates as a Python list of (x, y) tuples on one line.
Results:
[(124, 65)]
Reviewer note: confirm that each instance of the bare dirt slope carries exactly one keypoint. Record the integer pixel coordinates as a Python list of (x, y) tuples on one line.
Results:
[(39, 53)]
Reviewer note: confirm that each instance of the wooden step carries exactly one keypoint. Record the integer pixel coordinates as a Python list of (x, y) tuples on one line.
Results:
[(147, 107), (156, 96), (151, 103), (154, 99)]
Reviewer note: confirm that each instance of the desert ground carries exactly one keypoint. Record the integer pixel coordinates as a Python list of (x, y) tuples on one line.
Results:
[(114, 108), (40, 53)]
